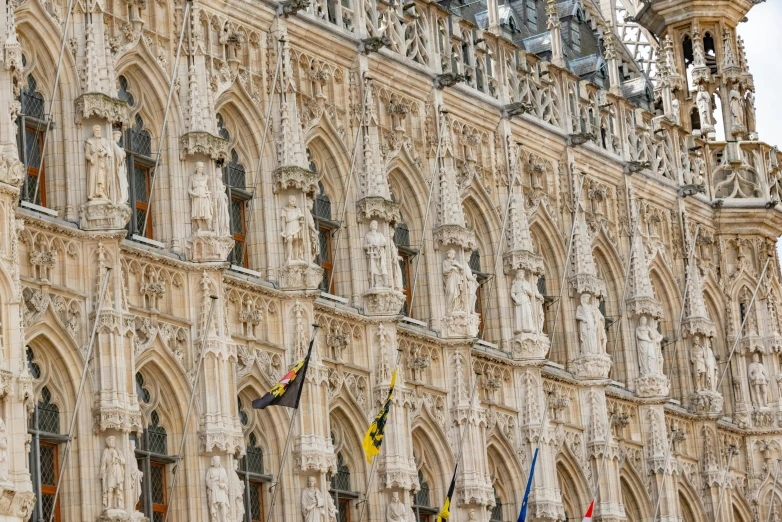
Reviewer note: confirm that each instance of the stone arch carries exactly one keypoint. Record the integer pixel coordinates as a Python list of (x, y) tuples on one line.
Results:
[(478, 217), (506, 477), (343, 422), (433, 455), (611, 269), (690, 505), (766, 497), (666, 291), (717, 311), (576, 493), (634, 496)]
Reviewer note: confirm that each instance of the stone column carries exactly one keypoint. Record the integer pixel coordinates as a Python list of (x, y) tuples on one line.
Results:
[(555, 27), (659, 442), (602, 445)]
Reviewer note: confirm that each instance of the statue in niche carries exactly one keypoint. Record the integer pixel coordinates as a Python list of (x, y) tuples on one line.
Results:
[(217, 494), (591, 331), (397, 512), (120, 170), (758, 382), (200, 200), (736, 103), (650, 356), (698, 361), (135, 474), (398, 282), (3, 453), (312, 504), (703, 102), (676, 114), (522, 296), (237, 488), (711, 366), (471, 288), (749, 109), (222, 218), (453, 278), (100, 165), (375, 246), (112, 476), (292, 225), (313, 230)]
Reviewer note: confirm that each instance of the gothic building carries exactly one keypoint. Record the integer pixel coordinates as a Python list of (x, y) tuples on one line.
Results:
[(556, 219)]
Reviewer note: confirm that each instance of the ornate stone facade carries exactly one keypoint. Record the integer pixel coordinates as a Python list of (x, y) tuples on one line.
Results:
[(517, 226)]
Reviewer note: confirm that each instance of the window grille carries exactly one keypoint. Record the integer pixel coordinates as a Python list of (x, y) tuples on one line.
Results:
[(44, 432), (30, 137)]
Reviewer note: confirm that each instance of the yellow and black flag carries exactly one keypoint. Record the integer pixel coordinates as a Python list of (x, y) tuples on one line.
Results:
[(374, 437), (287, 392), (445, 514)]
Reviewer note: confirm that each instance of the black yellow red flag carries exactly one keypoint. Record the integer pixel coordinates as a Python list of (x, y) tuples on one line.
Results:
[(287, 392), (445, 514)]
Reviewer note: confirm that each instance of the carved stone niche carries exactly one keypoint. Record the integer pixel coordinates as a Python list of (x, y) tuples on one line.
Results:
[(454, 235), (379, 208), (528, 343), (203, 143), (293, 177), (98, 104)]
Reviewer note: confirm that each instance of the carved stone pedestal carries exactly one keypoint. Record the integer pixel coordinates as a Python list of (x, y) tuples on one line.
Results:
[(383, 301), (205, 245), (103, 215), (591, 366), (114, 515), (15, 503), (706, 402), (461, 324), (299, 275), (530, 346), (652, 386)]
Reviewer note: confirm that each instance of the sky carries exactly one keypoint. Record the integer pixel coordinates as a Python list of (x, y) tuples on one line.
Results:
[(759, 32)]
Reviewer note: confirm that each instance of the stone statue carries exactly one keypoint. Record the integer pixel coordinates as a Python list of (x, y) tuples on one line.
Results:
[(703, 102), (453, 278), (698, 361), (3, 453), (758, 382), (398, 282), (749, 110), (589, 327), (135, 474), (217, 494), (522, 296), (333, 513), (472, 516), (397, 512), (313, 230), (375, 247), (698, 165), (112, 476), (312, 504), (676, 114), (649, 355), (222, 218), (100, 165), (120, 170), (736, 108), (292, 225), (711, 366), (237, 493), (471, 288), (200, 200)]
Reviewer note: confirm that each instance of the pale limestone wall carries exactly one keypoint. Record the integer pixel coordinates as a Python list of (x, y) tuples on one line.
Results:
[(613, 215)]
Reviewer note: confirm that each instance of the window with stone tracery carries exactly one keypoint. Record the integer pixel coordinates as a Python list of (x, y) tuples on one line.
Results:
[(45, 439), (137, 143), (31, 127), (152, 458), (342, 484), (422, 501), (252, 472), (326, 226), (239, 195)]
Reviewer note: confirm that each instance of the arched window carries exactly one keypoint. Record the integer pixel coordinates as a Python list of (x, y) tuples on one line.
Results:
[(45, 438), (496, 511), (152, 459), (30, 136), (402, 242), (422, 502), (321, 213), (252, 473), (340, 489), (239, 194), (137, 143), (475, 266)]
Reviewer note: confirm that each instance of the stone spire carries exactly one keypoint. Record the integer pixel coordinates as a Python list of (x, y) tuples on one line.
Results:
[(640, 294), (584, 273), (287, 124)]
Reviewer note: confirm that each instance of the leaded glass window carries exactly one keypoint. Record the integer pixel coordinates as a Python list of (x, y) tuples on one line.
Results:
[(45, 438), (235, 181), (252, 473), (152, 459), (30, 141)]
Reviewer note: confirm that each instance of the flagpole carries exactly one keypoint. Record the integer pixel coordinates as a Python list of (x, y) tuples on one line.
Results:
[(87, 358), (537, 447), (204, 335), (665, 471), (724, 480), (774, 487), (273, 488), (365, 501)]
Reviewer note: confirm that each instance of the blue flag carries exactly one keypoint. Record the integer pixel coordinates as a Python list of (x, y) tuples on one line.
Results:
[(523, 514)]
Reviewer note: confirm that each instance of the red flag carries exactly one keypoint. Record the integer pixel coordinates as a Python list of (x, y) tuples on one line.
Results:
[(588, 516)]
